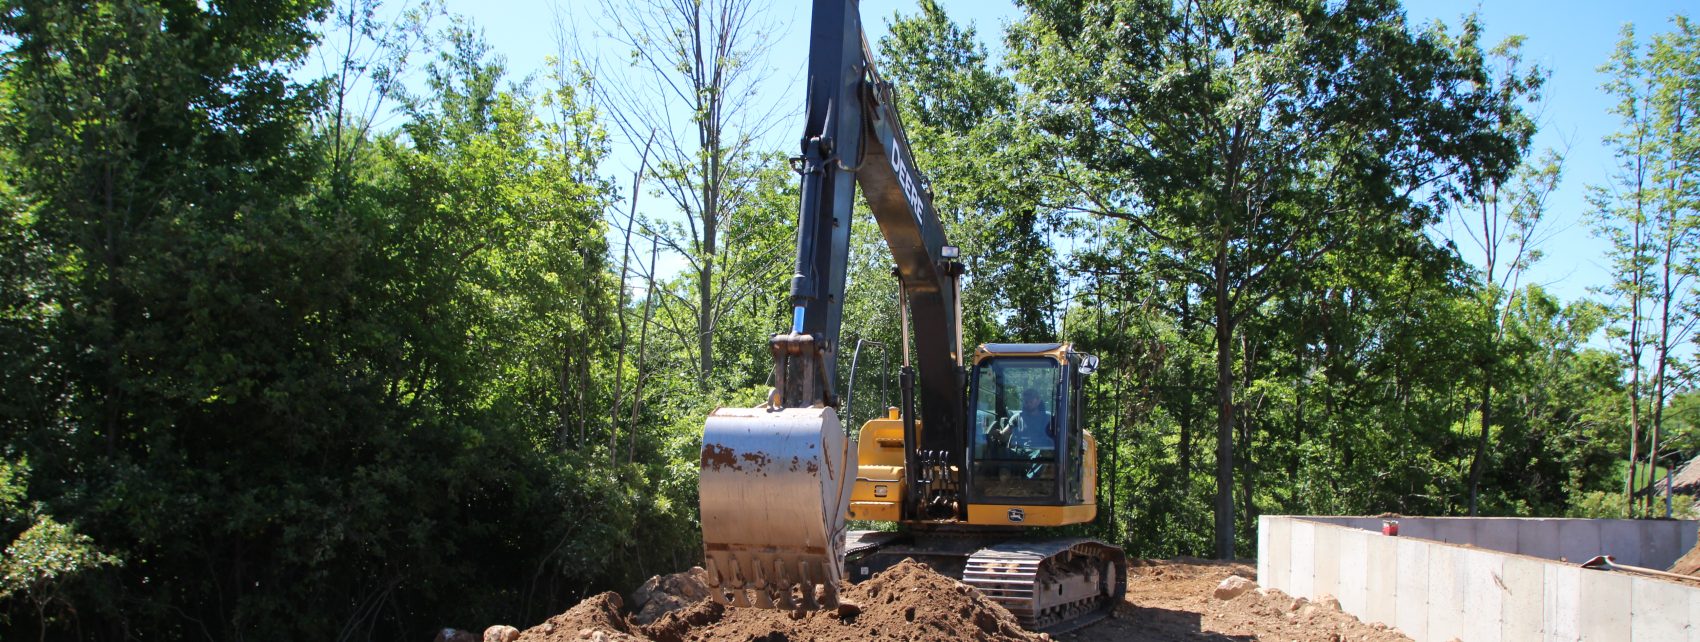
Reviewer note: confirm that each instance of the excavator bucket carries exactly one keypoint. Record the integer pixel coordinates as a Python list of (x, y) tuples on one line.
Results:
[(774, 490)]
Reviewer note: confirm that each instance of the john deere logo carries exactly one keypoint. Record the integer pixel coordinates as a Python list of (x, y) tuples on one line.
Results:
[(1016, 515)]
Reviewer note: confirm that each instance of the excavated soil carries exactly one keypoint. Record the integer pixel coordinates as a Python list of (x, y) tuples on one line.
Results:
[(1175, 600), (1172, 600), (906, 603)]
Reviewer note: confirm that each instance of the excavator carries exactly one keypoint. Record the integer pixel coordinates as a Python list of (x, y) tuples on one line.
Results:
[(993, 449)]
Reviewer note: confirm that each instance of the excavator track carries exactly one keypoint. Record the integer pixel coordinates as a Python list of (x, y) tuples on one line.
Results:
[(1052, 586)]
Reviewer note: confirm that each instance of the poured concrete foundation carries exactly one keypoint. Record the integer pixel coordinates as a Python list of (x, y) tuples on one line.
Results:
[(1487, 579)]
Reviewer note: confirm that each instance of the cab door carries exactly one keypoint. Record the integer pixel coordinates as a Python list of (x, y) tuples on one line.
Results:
[(1019, 414)]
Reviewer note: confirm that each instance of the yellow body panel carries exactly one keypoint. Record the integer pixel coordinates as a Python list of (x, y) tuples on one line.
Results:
[(1089, 467), (1005, 514), (878, 493), (880, 511)]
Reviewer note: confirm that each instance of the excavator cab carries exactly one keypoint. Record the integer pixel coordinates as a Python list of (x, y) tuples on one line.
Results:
[(1029, 453)]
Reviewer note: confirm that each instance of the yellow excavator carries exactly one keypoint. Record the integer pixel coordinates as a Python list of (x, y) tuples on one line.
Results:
[(993, 450)]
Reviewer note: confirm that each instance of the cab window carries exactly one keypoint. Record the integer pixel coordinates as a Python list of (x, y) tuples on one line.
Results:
[(1018, 426)]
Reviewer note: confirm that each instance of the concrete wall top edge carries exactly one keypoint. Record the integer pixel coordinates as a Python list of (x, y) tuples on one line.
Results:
[(1648, 543), (1404, 518)]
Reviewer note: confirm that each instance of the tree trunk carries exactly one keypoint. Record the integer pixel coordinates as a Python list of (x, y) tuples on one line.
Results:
[(618, 401), (1481, 436), (643, 349), (1634, 375), (1186, 432), (710, 240), (1248, 506), (1224, 414), (1187, 398), (1667, 291), (705, 317)]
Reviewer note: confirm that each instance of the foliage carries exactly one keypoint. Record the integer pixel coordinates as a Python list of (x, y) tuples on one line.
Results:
[(277, 387), (45, 556), (690, 90), (1647, 213), (1249, 143), (1605, 504)]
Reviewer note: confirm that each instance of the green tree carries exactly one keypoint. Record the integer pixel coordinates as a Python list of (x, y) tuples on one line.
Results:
[(300, 382), (1647, 212), (1506, 227), (1503, 220), (1561, 408), (152, 150), (44, 556), (1253, 139)]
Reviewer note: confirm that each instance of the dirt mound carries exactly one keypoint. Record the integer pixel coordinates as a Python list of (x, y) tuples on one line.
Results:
[(1175, 600), (905, 603), (598, 618)]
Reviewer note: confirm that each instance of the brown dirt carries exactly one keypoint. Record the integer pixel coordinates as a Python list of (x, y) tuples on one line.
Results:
[(905, 603), (1174, 600), (1170, 600)]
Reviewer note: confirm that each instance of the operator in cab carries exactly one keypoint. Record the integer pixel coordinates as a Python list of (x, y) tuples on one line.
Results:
[(1034, 430)]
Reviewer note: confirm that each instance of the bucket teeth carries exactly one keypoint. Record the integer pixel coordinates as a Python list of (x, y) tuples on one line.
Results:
[(829, 597), (758, 573)]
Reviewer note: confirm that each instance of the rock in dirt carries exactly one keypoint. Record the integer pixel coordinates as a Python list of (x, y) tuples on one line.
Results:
[(1234, 586), (676, 626), (501, 633), (664, 594), (847, 608)]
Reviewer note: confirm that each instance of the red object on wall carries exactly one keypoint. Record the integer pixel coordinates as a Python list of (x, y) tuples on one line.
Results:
[(1389, 527)]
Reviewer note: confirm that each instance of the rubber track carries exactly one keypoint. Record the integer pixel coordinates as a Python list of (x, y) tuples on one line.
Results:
[(1010, 574)]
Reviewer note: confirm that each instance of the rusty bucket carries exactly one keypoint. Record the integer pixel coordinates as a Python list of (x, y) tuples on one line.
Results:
[(774, 491)]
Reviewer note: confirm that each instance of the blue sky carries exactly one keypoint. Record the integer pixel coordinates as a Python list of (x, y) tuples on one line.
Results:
[(1572, 39)]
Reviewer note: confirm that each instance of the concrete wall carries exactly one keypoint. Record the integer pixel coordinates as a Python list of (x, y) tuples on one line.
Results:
[(1636, 542), (1437, 591)]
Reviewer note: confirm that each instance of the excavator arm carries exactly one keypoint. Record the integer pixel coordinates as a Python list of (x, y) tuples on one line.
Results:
[(853, 137), (776, 480)]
